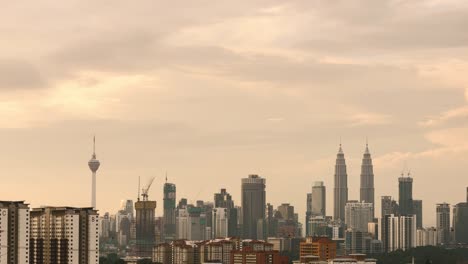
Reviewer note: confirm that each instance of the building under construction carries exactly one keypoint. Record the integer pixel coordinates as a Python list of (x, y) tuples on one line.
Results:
[(145, 224)]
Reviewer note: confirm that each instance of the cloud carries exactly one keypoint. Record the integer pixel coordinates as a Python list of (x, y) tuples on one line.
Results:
[(364, 119), (19, 75), (458, 115)]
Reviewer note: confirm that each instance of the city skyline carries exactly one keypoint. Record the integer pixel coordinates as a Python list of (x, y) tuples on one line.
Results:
[(211, 93), (160, 201)]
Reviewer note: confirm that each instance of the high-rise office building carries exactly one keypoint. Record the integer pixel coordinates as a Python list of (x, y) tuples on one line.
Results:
[(398, 232), (14, 232), (93, 165), (64, 235), (367, 179), (318, 226), (405, 197), (418, 211), (460, 223), (169, 214), (308, 212), (191, 224), (341, 186), (220, 222), (104, 226), (319, 199), (127, 206), (358, 215), (224, 200), (443, 222), (124, 234), (145, 231), (386, 206), (357, 242), (253, 205), (286, 211)]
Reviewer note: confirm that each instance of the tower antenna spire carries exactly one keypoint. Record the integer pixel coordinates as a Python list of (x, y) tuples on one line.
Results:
[(94, 145), (138, 197)]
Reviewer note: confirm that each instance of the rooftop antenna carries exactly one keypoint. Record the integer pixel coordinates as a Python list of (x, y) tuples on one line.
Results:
[(138, 197), (166, 176), (404, 169)]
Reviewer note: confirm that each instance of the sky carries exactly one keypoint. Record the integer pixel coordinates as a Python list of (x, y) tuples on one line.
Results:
[(211, 91)]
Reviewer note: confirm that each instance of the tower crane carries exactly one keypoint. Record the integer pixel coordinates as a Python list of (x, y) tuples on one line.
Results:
[(145, 190)]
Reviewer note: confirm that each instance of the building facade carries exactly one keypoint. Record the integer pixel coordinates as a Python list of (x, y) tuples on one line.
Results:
[(14, 232), (388, 206), (443, 223), (322, 247), (253, 206), (145, 227), (224, 200), (418, 211), (367, 179), (220, 222), (358, 215), (460, 223), (405, 198), (426, 237), (64, 235), (319, 201), (398, 232), (169, 213), (340, 191)]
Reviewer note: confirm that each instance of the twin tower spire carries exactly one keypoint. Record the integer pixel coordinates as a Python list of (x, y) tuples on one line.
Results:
[(341, 183)]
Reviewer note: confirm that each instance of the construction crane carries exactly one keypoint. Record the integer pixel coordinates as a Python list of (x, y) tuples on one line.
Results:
[(145, 190)]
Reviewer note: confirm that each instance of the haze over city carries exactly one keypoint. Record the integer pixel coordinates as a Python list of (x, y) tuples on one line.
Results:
[(211, 92)]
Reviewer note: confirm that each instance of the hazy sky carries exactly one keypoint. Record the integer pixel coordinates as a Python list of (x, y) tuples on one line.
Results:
[(211, 91)]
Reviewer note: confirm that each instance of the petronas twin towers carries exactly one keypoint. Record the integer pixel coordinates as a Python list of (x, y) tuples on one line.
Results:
[(341, 183)]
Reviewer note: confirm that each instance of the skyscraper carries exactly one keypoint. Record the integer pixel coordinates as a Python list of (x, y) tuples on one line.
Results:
[(460, 223), (145, 224), (443, 222), (341, 186), (388, 206), (308, 213), (253, 205), (169, 213), (367, 179), (418, 211), (224, 200), (93, 164), (127, 206), (287, 211), (319, 199), (358, 215), (405, 195), (220, 222), (14, 232)]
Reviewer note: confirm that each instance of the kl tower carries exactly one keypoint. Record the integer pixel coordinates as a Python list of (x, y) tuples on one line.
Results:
[(93, 164)]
